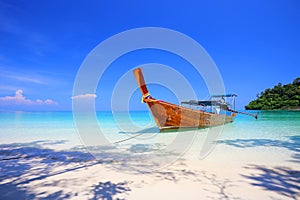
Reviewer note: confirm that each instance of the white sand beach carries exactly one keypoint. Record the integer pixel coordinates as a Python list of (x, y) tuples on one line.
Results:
[(235, 169)]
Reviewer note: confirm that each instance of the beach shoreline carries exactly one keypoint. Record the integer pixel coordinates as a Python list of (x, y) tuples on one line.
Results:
[(246, 163)]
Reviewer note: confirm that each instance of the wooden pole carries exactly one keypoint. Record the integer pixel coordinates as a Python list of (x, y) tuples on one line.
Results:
[(138, 73), (234, 111)]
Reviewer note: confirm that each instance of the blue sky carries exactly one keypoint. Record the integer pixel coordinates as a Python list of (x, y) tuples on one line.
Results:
[(255, 45)]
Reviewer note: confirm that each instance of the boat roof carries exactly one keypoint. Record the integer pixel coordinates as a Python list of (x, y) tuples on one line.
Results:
[(224, 95), (204, 103)]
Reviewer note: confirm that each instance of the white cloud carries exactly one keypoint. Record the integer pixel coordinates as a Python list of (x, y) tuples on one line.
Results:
[(84, 96), (49, 102), (20, 99)]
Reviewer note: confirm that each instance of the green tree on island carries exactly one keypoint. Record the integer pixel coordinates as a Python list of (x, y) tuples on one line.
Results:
[(280, 97)]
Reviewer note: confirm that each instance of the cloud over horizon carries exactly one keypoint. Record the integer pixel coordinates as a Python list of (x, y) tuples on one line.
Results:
[(84, 96), (20, 99)]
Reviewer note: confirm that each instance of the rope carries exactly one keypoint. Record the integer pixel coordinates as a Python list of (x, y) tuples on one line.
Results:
[(119, 141), (145, 96)]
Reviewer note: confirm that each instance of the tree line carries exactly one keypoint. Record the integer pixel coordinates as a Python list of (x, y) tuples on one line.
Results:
[(280, 97)]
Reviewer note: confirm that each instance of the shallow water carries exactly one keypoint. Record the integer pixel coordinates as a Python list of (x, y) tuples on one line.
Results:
[(276, 126)]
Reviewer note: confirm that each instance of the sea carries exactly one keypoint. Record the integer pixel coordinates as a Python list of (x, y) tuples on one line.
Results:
[(63, 130)]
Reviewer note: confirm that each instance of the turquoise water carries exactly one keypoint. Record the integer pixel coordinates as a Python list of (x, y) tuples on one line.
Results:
[(270, 124), (33, 126), (249, 154)]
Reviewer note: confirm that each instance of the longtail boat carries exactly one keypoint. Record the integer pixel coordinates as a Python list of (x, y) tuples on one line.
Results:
[(171, 116)]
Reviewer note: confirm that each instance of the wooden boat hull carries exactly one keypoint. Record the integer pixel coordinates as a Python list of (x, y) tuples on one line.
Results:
[(171, 116)]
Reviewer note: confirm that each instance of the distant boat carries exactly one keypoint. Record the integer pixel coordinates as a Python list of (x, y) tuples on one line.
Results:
[(199, 114)]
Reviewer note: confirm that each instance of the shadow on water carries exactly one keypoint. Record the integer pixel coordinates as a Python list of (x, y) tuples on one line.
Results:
[(282, 180), (292, 144), (146, 130)]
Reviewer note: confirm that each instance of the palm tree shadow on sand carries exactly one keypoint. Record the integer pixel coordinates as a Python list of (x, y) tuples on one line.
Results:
[(24, 163), (107, 190), (280, 179), (292, 144), (28, 166)]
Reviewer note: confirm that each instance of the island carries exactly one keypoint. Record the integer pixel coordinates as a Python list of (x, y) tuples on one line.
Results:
[(280, 97)]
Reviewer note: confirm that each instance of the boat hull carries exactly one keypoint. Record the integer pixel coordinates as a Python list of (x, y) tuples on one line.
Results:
[(170, 116)]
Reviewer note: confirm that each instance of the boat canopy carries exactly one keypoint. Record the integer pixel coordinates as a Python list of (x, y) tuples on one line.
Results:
[(223, 95), (205, 103)]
